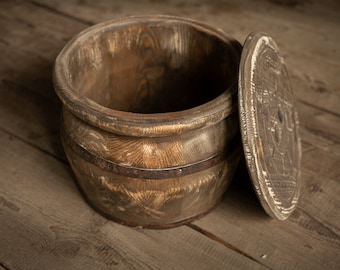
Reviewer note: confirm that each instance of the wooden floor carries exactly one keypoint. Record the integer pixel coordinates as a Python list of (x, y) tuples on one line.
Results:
[(45, 222)]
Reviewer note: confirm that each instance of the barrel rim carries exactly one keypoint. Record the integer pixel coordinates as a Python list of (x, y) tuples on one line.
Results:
[(140, 124)]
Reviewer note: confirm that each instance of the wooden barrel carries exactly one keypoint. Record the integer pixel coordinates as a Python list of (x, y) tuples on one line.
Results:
[(150, 122)]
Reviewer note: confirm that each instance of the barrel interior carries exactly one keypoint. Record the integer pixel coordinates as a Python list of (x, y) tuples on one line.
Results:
[(152, 66)]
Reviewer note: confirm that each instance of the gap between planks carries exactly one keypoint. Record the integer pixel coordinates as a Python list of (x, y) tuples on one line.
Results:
[(223, 242), (3, 267), (35, 146), (56, 11)]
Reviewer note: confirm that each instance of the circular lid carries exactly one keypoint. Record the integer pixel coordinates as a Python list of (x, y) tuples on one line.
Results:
[(269, 126)]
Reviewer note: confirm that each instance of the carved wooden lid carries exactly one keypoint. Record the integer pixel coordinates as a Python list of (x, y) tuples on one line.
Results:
[(269, 126)]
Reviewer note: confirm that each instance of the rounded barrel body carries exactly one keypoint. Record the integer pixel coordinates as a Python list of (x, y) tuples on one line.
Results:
[(149, 122)]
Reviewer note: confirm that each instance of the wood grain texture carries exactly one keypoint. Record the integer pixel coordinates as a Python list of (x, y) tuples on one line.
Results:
[(269, 126), (310, 234), (33, 32), (148, 105)]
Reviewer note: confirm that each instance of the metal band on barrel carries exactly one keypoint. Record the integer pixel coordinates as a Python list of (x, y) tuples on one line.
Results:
[(145, 173)]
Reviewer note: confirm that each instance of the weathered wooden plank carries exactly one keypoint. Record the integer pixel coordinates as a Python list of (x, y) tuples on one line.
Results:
[(309, 239), (320, 182), (319, 122), (325, 191), (47, 22), (24, 38), (29, 106), (309, 91), (33, 73), (33, 44), (322, 163), (31, 117), (310, 140), (45, 224), (317, 22), (286, 9), (312, 22)]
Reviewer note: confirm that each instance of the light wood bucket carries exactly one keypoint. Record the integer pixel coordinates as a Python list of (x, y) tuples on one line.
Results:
[(150, 122)]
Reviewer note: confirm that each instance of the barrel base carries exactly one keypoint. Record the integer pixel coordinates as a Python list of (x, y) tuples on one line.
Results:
[(163, 226)]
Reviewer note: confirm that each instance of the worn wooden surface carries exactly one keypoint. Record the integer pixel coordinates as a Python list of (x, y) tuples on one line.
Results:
[(44, 221), (149, 169)]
